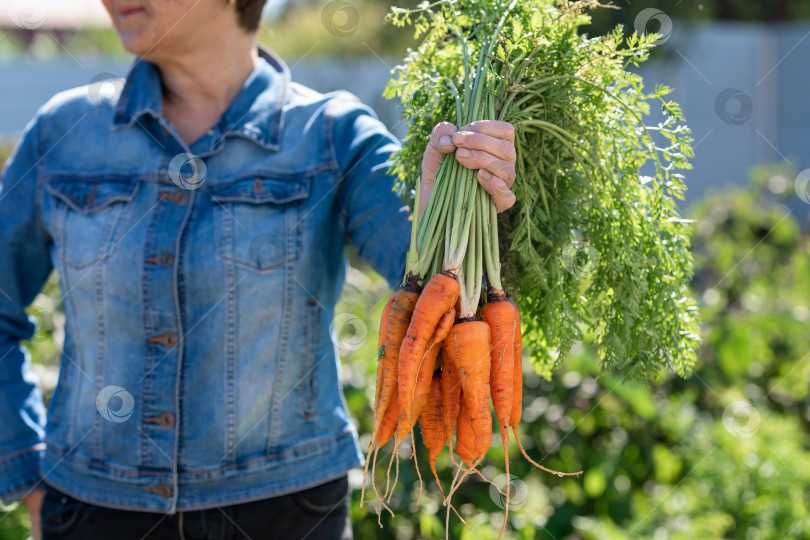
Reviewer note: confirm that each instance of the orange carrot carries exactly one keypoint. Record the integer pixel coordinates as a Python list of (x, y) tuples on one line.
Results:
[(389, 422), (501, 316), (517, 380), (451, 395), (431, 421), (517, 406), (434, 433), (465, 436), (398, 321), (421, 388), (466, 448), (399, 317), (419, 391), (468, 346), (386, 312), (437, 298)]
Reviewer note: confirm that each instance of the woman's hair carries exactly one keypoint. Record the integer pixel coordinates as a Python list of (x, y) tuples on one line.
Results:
[(250, 13)]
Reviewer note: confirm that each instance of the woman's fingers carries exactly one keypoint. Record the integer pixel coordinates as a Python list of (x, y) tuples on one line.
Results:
[(493, 128), (441, 142), (478, 159), (502, 196), (500, 148), (487, 146), (442, 137)]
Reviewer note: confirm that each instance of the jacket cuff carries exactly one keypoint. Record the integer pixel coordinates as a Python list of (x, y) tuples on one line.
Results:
[(20, 472)]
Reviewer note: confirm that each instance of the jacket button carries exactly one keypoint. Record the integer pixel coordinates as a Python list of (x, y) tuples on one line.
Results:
[(161, 489), (179, 197), (165, 419), (169, 339), (91, 197), (167, 259)]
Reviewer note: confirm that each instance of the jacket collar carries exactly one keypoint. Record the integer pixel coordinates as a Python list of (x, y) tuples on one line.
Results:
[(257, 112)]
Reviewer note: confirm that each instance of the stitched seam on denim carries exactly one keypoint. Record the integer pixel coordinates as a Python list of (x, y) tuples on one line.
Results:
[(308, 366), (291, 219), (339, 175), (25, 488), (281, 99), (112, 226), (39, 195), (98, 299), (230, 337), (67, 198), (110, 175), (209, 473), (270, 174), (60, 215), (329, 136), (106, 246), (36, 448), (71, 331), (180, 347), (149, 329), (184, 321), (63, 382)]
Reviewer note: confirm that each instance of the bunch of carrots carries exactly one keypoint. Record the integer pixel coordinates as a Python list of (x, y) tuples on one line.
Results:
[(444, 359), (450, 341)]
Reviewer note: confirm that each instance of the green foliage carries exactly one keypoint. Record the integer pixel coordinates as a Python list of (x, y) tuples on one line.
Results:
[(590, 246)]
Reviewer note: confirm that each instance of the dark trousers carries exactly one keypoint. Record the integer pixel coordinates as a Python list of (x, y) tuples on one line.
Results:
[(317, 513)]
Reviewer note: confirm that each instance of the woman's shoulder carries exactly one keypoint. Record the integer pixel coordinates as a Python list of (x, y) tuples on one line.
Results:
[(70, 107), (335, 103)]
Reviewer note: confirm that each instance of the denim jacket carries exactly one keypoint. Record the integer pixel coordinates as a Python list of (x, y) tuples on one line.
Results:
[(199, 283)]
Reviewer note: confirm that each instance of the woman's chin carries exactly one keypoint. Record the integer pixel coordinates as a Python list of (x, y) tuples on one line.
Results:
[(136, 43)]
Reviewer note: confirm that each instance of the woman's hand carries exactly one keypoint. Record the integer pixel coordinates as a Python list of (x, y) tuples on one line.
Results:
[(33, 502), (486, 145)]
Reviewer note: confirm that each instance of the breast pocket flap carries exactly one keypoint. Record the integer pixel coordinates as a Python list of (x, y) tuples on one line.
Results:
[(260, 189), (88, 197)]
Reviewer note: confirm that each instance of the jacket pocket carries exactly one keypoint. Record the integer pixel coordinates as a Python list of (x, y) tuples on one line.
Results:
[(91, 210), (257, 220)]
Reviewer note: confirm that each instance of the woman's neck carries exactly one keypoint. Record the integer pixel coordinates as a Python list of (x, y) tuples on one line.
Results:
[(200, 84)]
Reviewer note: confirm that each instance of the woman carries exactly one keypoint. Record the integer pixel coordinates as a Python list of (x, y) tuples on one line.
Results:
[(198, 225)]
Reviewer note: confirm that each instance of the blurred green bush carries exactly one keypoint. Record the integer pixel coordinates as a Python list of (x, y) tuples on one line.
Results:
[(722, 454)]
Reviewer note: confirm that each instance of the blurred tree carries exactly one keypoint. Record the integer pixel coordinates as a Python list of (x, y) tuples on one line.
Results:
[(336, 28), (703, 10)]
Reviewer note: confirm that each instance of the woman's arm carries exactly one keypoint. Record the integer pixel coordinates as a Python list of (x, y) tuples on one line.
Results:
[(24, 267), (376, 219)]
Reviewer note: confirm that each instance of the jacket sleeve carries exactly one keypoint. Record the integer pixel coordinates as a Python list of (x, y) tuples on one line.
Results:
[(376, 220), (24, 267)]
